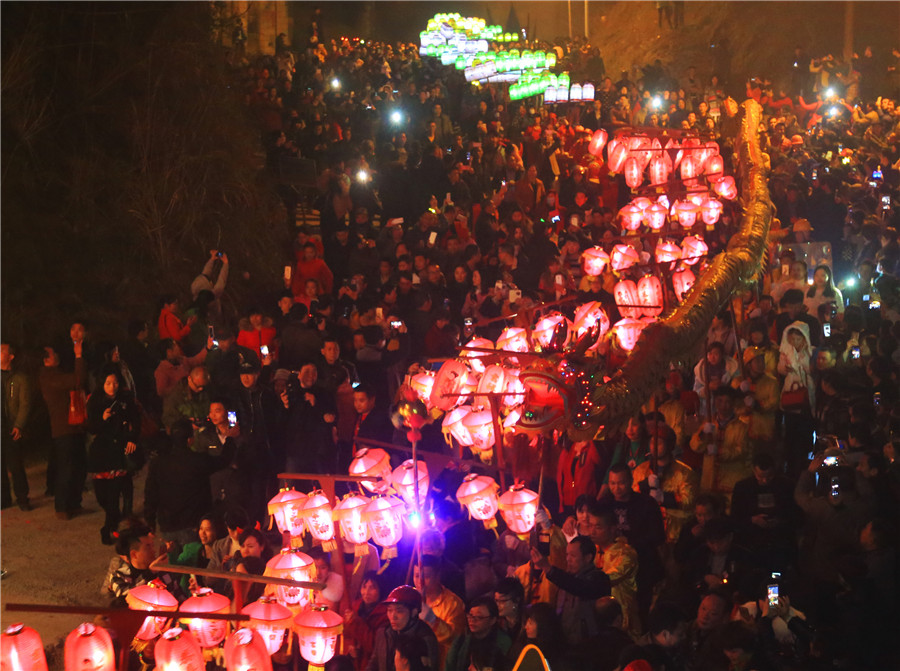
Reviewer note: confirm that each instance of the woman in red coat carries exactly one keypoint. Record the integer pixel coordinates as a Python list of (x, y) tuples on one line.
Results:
[(577, 473), (367, 615), (257, 332), (170, 326)]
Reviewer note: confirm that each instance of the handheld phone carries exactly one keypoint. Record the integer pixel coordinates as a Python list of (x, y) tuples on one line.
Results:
[(875, 305), (876, 399), (287, 273), (826, 329), (211, 332), (815, 174), (560, 280), (232, 418), (866, 297), (502, 182), (772, 594), (830, 461), (835, 487), (264, 350), (886, 202), (432, 238), (876, 174), (469, 322), (396, 323), (854, 352), (785, 269), (555, 219)]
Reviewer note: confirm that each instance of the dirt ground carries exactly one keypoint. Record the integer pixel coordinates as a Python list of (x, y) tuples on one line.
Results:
[(49, 561)]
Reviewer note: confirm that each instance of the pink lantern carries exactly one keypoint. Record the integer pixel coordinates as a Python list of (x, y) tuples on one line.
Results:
[(627, 332), (650, 294), (447, 391), (478, 493), (655, 216), (317, 630), (623, 257), (475, 357), (711, 210), (598, 140), (512, 419), (642, 203), (594, 260), (374, 462), (453, 425), (245, 650), (687, 213), (209, 633), (633, 174), (317, 515), (659, 170), (515, 390), (178, 650), (627, 300), (513, 339), (270, 620), (693, 249), (493, 381), (667, 251), (715, 166), (383, 515), (682, 281), (589, 314), (480, 425), (545, 328), (643, 152), (691, 166), (21, 649), (587, 91), (422, 383), (348, 513), (152, 596), (725, 188), (518, 507), (89, 648), (631, 217), (617, 155), (403, 479), (285, 508), (290, 564)]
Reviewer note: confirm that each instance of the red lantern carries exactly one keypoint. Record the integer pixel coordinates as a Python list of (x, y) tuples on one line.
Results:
[(545, 328), (693, 249), (270, 620), (453, 425), (152, 596), (631, 217), (475, 357), (594, 260), (21, 649), (479, 494), (687, 213), (650, 294), (422, 384), (667, 252), (725, 188), (627, 332), (285, 508), (633, 174), (589, 314), (715, 166), (598, 140), (318, 629), (691, 166), (178, 650), (617, 154), (659, 170), (245, 650), (447, 391), (493, 381), (349, 515), (89, 648), (682, 281), (374, 462), (710, 210), (403, 479), (518, 507), (383, 514), (623, 257), (480, 425), (209, 633), (626, 294), (513, 339), (290, 564), (317, 515)]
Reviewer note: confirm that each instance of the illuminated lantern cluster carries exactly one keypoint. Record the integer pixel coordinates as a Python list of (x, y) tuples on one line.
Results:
[(479, 494), (627, 331), (725, 188), (480, 425), (349, 514), (655, 216), (446, 392), (631, 216), (493, 381), (152, 596), (594, 260), (178, 650), (693, 249), (667, 252), (453, 425), (285, 509), (598, 141), (687, 212), (650, 295), (317, 630), (404, 481), (384, 514), (21, 649), (545, 329), (710, 210), (317, 514), (513, 339), (372, 462), (623, 257), (474, 356), (89, 648), (422, 384), (245, 650), (682, 281), (627, 300), (518, 506), (269, 619), (589, 315), (290, 564), (208, 633)]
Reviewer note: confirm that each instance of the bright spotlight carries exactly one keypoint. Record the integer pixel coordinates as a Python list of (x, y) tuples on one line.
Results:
[(335, 83), (362, 176), (396, 117)]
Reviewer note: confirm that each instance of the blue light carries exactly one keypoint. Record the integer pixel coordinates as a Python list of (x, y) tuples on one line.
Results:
[(415, 520)]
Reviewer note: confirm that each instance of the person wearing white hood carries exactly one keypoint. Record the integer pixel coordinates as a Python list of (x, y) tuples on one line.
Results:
[(797, 394)]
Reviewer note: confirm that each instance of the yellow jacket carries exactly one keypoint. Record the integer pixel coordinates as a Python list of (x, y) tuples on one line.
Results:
[(672, 411), (732, 461), (537, 587), (760, 419), (620, 563), (679, 484), (447, 620)]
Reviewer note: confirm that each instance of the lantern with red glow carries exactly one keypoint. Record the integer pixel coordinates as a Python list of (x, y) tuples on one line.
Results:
[(493, 381), (478, 493), (384, 514), (290, 564), (598, 140), (682, 281), (691, 166), (480, 425), (655, 216), (319, 520), (317, 630), (627, 332), (650, 295), (453, 425), (617, 155), (475, 357), (372, 462), (710, 210), (245, 650), (152, 596), (285, 508), (594, 260), (545, 328), (515, 390), (611, 147), (692, 249), (631, 217), (348, 513), (667, 252), (643, 152), (623, 257), (404, 477), (627, 299), (633, 174), (513, 339), (447, 391), (687, 213), (422, 384), (642, 203), (89, 648), (588, 315), (209, 633), (715, 166), (21, 649), (725, 188), (270, 620), (518, 507), (178, 650)]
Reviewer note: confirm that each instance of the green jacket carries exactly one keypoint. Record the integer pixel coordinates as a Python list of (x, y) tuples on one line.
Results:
[(16, 399)]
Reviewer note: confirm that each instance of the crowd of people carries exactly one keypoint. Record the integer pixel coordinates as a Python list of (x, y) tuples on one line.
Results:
[(745, 519)]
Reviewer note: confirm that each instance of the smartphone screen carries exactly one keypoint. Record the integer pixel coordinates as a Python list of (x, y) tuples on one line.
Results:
[(826, 329), (772, 595), (287, 272), (211, 331), (854, 353), (264, 350), (232, 418), (830, 461), (560, 280), (432, 238)]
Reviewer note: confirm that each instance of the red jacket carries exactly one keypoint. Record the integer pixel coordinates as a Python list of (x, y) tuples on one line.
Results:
[(311, 270), (577, 475), (170, 326)]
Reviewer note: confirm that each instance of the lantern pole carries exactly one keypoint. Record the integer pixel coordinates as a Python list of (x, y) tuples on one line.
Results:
[(418, 548), (498, 440)]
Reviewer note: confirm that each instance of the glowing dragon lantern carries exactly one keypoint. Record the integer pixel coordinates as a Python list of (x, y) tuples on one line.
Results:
[(453, 425), (518, 507), (598, 140), (478, 493), (655, 216), (245, 650), (725, 188), (546, 327), (687, 212), (319, 520), (710, 210), (627, 332), (493, 381), (692, 249), (650, 295), (475, 357), (384, 514), (348, 513), (89, 648), (317, 630), (631, 217), (178, 650), (285, 509), (372, 462), (290, 564), (623, 257), (682, 281), (447, 390), (152, 596), (480, 425), (21, 649), (594, 260), (513, 339), (627, 298), (633, 174), (404, 481), (209, 633), (269, 619)]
